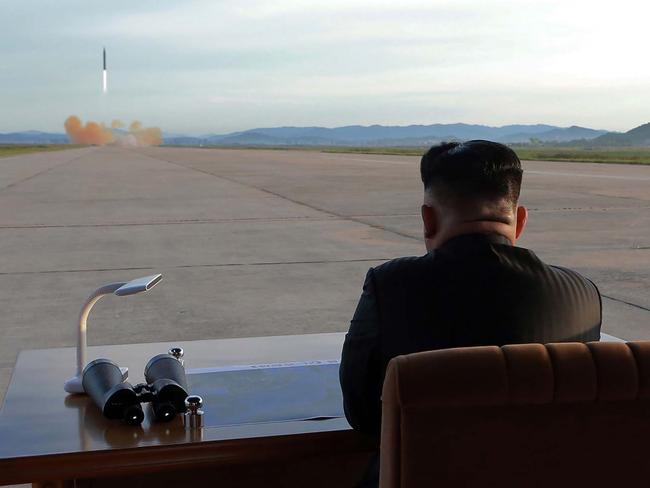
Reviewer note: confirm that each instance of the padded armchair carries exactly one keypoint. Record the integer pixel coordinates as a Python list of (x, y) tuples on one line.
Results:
[(567, 414)]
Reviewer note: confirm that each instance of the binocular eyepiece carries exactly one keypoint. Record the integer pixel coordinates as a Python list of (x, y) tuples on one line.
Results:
[(165, 388)]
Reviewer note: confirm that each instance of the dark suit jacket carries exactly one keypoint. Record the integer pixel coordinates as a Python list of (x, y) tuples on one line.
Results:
[(474, 290)]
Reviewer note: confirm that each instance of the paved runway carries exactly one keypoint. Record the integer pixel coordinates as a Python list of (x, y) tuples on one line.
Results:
[(256, 242)]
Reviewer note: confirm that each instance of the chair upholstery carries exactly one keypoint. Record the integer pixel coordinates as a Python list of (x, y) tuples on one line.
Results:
[(568, 414)]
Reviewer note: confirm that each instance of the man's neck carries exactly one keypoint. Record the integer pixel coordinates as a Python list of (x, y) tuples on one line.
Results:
[(472, 227)]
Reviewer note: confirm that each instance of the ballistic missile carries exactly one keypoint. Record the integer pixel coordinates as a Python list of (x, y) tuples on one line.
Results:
[(104, 76)]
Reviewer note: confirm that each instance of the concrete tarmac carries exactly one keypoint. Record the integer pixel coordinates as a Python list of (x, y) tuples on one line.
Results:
[(267, 242)]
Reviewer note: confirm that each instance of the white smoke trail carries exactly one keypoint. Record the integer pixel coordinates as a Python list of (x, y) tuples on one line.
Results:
[(104, 81)]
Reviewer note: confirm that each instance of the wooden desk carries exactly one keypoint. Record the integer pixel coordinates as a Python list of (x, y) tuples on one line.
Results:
[(53, 439)]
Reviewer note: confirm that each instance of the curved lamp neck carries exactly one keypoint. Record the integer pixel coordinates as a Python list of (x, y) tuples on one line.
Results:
[(83, 318)]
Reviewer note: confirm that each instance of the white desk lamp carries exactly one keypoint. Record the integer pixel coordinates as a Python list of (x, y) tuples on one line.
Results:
[(139, 285)]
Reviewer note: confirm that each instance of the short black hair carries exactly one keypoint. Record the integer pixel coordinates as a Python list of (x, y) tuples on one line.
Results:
[(455, 172)]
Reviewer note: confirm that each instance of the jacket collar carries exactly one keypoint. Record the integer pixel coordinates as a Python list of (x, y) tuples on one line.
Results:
[(473, 239)]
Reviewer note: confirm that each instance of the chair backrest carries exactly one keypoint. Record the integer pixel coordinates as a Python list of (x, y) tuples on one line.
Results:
[(518, 415)]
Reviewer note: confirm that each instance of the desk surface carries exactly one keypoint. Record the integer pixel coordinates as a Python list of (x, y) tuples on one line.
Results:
[(44, 429), (47, 434)]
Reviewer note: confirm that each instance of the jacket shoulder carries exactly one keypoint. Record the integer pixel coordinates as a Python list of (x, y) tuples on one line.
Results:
[(400, 267), (571, 276)]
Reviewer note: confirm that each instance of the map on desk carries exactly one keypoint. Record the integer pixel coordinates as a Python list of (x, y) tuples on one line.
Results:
[(235, 395)]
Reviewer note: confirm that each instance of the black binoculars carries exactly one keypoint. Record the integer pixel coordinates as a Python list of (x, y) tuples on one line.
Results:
[(165, 388)]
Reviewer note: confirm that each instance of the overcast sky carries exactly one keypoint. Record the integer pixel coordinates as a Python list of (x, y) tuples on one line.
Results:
[(213, 66)]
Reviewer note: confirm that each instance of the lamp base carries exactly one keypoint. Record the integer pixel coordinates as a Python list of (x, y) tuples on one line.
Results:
[(74, 385)]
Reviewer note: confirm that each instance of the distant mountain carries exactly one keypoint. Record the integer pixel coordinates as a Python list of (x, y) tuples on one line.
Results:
[(639, 136), (558, 135), (33, 137), (380, 135)]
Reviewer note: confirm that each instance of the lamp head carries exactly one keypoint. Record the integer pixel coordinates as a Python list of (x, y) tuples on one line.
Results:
[(139, 285)]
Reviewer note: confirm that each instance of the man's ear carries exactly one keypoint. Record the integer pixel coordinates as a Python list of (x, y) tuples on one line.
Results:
[(430, 221), (522, 218)]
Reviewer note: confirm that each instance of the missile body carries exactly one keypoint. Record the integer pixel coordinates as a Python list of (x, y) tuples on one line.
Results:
[(104, 73)]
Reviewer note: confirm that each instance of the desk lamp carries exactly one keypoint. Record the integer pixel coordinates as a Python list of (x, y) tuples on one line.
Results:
[(121, 289)]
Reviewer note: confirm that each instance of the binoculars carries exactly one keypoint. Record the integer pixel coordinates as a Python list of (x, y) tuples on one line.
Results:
[(165, 388)]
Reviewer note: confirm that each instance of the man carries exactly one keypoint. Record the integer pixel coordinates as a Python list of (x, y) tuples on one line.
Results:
[(472, 288)]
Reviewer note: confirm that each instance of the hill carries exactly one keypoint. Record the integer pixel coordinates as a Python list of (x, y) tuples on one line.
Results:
[(637, 137), (33, 137), (380, 135)]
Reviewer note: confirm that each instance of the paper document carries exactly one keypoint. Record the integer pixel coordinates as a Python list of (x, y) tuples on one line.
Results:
[(275, 392), (241, 367)]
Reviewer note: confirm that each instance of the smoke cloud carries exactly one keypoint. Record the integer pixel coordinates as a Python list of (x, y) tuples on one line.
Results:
[(100, 135), (145, 136), (91, 133)]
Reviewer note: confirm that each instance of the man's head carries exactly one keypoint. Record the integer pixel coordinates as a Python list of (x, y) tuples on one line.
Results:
[(471, 187)]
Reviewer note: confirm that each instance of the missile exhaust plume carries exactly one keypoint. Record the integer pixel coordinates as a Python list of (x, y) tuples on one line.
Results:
[(90, 133), (100, 135), (147, 136)]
